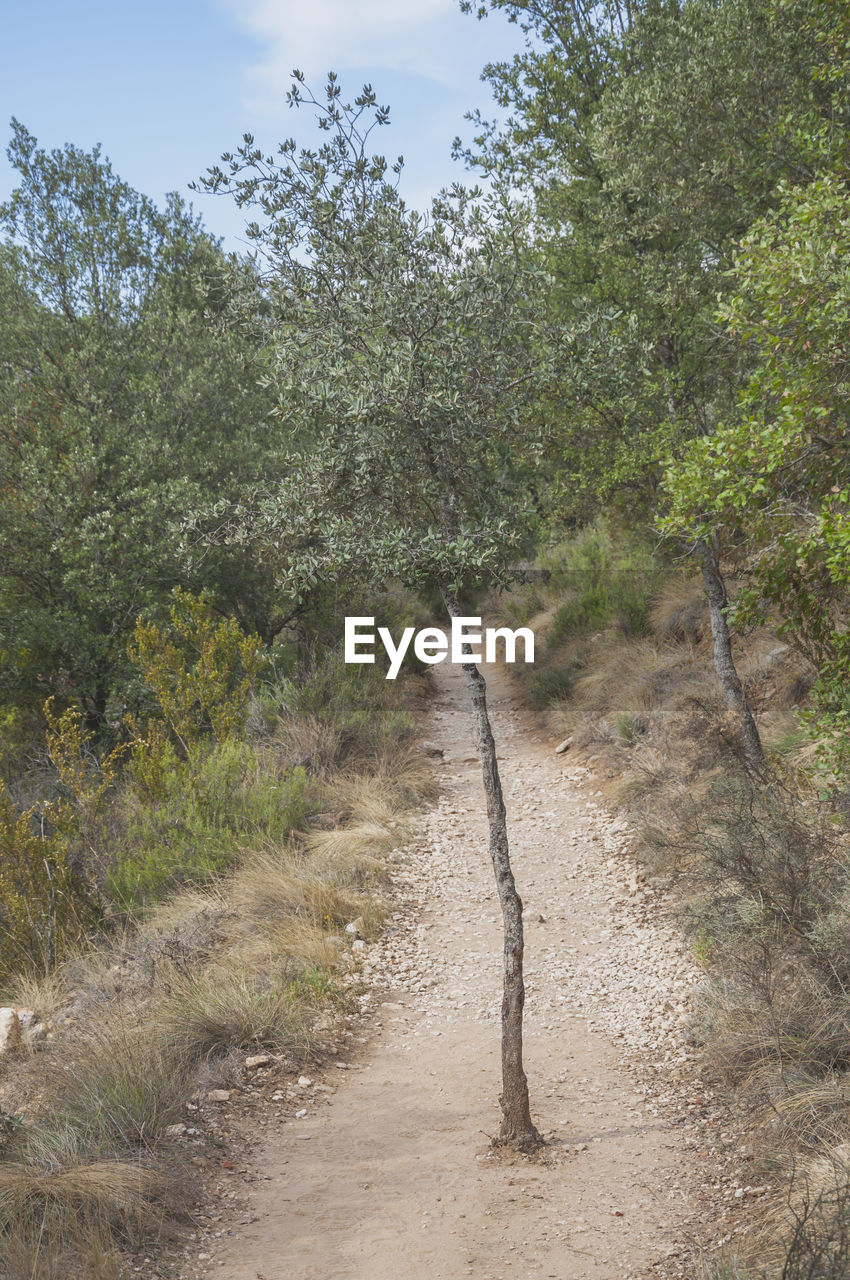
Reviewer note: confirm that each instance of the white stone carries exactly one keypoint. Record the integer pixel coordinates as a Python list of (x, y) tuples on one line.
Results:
[(10, 1031)]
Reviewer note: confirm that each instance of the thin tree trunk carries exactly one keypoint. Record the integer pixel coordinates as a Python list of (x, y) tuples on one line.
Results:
[(724, 663), (516, 1128)]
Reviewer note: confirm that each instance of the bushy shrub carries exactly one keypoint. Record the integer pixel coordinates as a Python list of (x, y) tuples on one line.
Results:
[(220, 798), (201, 669), (763, 862)]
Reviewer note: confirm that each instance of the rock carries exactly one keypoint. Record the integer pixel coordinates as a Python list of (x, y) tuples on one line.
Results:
[(636, 881), (258, 1060), (431, 749), (300, 1113), (304, 1082), (10, 1031), (358, 945), (218, 1095), (563, 746), (356, 928), (175, 1130)]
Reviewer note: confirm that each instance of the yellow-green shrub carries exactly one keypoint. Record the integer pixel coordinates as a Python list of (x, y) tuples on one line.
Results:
[(201, 669), (44, 903)]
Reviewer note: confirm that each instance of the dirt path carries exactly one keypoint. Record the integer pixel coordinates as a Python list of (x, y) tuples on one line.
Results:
[(395, 1177)]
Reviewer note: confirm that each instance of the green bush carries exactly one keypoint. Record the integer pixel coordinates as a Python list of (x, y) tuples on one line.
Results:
[(603, 585), (627, 727), (523, 602), (218, 799), (551, 686), (632, 595), (585, 612)]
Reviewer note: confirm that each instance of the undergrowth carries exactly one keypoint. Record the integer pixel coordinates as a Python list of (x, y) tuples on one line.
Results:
[(211, 864), (760, 873)]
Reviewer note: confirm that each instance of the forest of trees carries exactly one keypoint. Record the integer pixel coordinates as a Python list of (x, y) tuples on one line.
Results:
[(640, 320), (642, 315)]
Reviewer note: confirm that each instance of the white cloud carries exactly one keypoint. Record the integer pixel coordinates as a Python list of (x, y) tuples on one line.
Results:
[(408, 36)]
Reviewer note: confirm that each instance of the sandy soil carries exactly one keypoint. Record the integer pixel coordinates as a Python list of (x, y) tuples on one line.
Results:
[(390, 1173)]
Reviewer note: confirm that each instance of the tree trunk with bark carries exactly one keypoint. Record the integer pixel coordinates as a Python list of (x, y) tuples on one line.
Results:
[(516, 1129), (724, 663)]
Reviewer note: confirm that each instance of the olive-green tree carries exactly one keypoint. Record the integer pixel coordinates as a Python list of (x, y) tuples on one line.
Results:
[(651, 136), (774, 474), (402, 363)]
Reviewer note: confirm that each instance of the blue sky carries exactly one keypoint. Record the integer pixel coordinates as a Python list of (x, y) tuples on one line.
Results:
[(166, 87)]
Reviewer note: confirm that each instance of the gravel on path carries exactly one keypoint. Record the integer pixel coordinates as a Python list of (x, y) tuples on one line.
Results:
[(390, 1171)]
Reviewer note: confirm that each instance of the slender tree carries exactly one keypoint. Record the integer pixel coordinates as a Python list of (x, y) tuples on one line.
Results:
[(403, 351)]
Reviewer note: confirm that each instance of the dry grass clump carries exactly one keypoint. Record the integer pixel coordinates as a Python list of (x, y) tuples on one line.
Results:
[(84, 1176), (44, 993), (369, 810), (786, 1046), (767, 883), (217, 1010), (638, 676), (395, 782), (68, 1220), (680, 612), (118, 1083), (272, 889), (803, 1234), (311, 742)]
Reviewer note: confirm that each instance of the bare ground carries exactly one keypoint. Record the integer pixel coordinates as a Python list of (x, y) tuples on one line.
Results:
[(390, 1172)]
